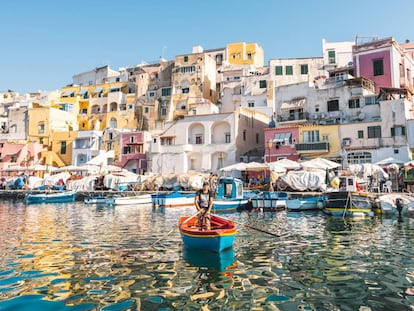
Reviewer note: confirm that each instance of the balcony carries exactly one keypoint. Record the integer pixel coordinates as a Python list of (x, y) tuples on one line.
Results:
[(293, 117), (319, 147)]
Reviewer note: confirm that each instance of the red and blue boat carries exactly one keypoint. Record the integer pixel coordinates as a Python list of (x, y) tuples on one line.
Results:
[(220, 236)]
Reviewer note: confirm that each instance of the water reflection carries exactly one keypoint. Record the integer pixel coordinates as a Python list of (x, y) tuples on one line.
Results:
[(74, 256)]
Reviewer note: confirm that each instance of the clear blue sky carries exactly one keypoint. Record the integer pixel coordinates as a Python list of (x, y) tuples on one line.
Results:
[(45, 42)]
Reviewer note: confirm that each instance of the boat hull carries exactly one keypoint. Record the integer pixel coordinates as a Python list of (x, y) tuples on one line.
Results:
[(270, 201), (60, 197), (174, 199), (229, 205), (349, 204), (305, 204), (98, 200), (220, 237), (133, 200)]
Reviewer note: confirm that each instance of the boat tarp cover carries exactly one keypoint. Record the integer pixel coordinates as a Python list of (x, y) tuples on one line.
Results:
[(305, 181)]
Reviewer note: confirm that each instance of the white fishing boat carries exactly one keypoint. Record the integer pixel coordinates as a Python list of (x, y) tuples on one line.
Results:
[(133, 200)]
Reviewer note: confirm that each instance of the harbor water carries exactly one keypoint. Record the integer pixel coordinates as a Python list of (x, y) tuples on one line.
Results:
[(77, 257)]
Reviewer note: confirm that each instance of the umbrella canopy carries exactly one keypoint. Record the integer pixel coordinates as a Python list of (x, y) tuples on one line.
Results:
[(390, 160), (287, 164), (319, 163), (235, 167)]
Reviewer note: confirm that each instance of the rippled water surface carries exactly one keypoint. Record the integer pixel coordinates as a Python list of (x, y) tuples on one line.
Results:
[(78, 257)]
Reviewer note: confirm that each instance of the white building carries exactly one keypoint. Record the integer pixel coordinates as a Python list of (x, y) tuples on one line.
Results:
[(337, 54), (208, 142), (86, 146)]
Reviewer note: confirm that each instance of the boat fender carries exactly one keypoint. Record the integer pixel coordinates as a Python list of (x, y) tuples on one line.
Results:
[(319, 204)]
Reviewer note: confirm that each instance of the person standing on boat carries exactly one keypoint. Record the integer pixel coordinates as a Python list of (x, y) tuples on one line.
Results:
[(204, 203)]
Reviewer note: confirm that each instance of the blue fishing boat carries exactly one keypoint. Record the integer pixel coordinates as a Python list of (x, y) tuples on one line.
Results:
[(270, 200), (306, 203), (173, 199), (51, 197), (230, 196), (349, 204), (220, 236)]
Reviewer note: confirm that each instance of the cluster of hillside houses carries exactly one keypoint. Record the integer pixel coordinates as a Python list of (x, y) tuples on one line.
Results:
[(212, 108)]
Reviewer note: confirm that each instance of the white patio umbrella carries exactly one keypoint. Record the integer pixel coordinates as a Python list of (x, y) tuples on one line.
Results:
[(390, 160), (287, 164)]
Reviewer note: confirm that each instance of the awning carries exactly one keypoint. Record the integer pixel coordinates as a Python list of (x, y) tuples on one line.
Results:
[(98, 90), (294, 104), (68, 93), (83, 91), (282, 137)]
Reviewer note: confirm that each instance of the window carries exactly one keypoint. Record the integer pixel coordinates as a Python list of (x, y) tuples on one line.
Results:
[(227, 138), (251, 105), (185, 90), (398, 131), (311, 136), (360, 134), (166, 91), (374, 131), (263, 84), (131, 139), (187, 69), (353, 103), (249, 55), (278, 70), (244, 135), (331, 57), (257, 138), (333, 105), (359, 157), (63, 147), (127, 150), (110, 135), (199, 139), (146, 109), (41, 128), (289, 70), (185, 59), (151, 94), (84, 111), (304, 69), (113, 123), (370, 100), (163, 112), (378, 65)]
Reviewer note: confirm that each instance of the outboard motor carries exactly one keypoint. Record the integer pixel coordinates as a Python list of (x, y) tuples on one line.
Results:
[(399, 205)]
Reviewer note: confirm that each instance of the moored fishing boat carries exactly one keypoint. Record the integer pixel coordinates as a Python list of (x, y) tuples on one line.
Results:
[(173, 199), (99, 200), (230, 196), (218, 238), (51, 197), (349, 204), (396, 204), (132, 200), (270, 200), (305, 203)]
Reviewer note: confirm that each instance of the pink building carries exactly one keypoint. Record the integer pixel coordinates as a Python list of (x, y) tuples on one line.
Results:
[(281, 143), (384, 62), (133, 151), (18, 156)]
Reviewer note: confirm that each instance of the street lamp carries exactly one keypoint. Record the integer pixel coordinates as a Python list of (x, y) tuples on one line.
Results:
[(269, 146)]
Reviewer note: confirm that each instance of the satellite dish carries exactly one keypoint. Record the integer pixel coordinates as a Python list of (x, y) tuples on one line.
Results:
[(361, 116)]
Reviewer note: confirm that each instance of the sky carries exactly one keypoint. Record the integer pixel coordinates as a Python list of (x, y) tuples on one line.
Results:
[(45, 42)]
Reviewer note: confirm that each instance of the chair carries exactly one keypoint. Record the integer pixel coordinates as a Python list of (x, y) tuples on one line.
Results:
[(387, 186)]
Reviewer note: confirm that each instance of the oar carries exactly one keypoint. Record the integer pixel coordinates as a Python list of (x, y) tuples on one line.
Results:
[(169, 232), (251, 227)]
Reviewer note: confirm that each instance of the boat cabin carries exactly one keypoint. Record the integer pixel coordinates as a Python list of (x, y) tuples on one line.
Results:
[(229, 188), (347, 183)]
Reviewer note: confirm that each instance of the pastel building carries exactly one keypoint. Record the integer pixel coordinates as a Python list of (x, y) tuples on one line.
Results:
[(208, 142), (86, 146), (242, 53), (133, 151)]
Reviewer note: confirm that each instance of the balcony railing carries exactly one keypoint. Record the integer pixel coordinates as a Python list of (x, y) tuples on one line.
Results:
[(312, 147), (288, 117)]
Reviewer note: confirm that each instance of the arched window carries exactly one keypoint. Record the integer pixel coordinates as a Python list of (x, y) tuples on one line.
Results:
[(113, 123)]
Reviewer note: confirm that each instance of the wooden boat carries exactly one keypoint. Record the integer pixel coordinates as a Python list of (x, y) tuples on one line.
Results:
[(172, 199), (270, 200), (305, 203), (51, 197), (206, 259), (132, 200), (349, 204), (230, 196), (99, 200), (220, 237)]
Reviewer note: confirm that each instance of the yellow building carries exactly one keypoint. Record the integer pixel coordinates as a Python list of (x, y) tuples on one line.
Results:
[(319, 141), (55, 128), (241, 53)]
